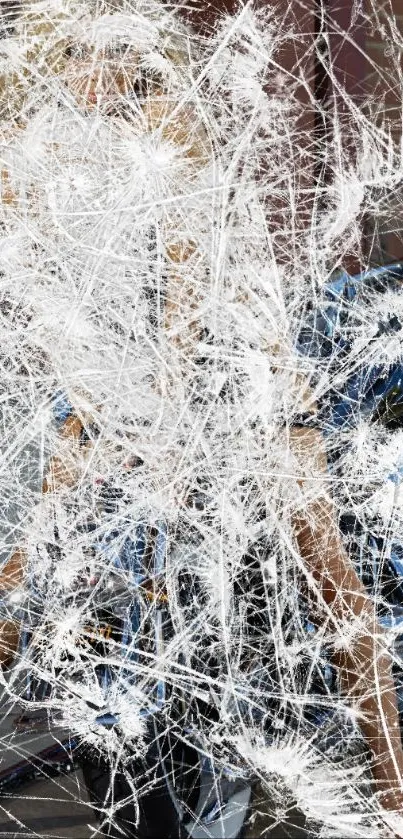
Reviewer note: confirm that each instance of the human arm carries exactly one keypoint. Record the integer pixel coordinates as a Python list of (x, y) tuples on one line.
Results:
[(63, 471), (363, 660), (11, 576)]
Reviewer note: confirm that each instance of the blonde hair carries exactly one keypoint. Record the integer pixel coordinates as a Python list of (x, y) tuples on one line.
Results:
[(47, 33)]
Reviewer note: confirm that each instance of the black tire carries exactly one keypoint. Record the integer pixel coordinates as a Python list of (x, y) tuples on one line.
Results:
[(163, 795), (151, 814)]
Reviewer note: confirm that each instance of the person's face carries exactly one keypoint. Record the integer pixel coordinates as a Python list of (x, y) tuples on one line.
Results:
[(98, 82)]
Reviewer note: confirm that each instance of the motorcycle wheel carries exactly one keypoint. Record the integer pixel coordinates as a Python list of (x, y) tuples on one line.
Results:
[(173, 793)]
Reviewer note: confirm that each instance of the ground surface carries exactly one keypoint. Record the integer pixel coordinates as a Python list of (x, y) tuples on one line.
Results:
[(59, 807)]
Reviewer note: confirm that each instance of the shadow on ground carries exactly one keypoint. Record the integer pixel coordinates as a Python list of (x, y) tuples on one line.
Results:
[(58, 807)]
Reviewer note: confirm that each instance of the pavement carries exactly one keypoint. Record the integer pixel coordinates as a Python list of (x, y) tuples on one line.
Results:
[(59, 806), (56, 806)]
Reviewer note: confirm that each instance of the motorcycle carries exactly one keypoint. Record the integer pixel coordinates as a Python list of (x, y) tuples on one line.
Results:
[(184, 776), (124, 632)]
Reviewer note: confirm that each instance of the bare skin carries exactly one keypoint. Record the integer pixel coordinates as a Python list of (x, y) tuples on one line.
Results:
[(364, 663), (12, 576)]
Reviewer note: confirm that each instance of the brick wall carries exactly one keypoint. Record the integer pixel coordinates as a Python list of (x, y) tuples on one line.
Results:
[(354, 43), (296, 58), (384, 45)]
